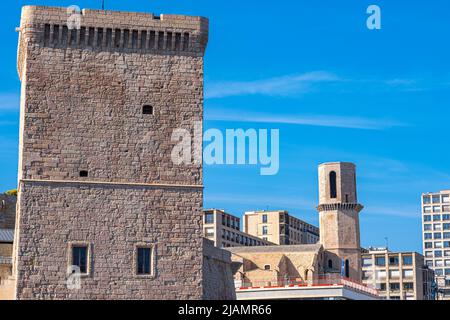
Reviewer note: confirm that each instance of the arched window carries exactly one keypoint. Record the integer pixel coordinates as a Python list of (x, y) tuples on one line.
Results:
[(333, 188), (330, 264), (347, 269)]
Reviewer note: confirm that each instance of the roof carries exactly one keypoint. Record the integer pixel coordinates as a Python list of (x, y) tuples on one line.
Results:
[(266, 249), (6, 235)]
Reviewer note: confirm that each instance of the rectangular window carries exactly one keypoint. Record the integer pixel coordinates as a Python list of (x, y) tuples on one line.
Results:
[(408, 286), (209, 232), (446, 244), (438, 253), (428, 245), (436, 208), (445, 198), (446, 235), (380, 261), (80, 257), (446, 226), (144, 261), (394, 286), (264, 218), (367, 262), (426, 199), (436, 199), (427, 209), (380, 274), (438, 245), (427, 218), (393, 261), (427, 227), (439, 263), (437, 227), (264, 230), (407, 260), (437, 217), (209, 218), (394, 274), (439, 272), (428, 236), (437, 235), (408, 273)]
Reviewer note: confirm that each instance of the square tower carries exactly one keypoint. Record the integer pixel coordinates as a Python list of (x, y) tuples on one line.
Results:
[(99, 195)]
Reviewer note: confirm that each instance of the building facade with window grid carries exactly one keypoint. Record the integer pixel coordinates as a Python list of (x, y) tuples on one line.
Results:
[(436, 237), (397, 275), (224, 229), (280, 227)]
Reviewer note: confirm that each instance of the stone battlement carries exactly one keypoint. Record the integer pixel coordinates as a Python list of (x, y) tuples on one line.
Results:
[(102, 30)]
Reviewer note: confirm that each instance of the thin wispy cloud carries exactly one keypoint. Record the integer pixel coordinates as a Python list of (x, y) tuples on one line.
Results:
[(308, 120), (9, 102), (259, 202), (278, 86)]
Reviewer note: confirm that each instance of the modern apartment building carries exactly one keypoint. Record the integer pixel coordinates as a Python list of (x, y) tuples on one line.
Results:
[(436, 237), (397, 275), (280, 227), (224, 229)]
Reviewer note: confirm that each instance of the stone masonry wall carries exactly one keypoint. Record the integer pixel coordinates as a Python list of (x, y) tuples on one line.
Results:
[(81, 110), (111, 221), (218, 282)]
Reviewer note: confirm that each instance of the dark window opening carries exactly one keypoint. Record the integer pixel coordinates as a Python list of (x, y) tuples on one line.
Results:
[(83, 36), (79, 257), (330, 264), (108, 43), (134, 39), (347, 269), (333, 187), (46, 34), (143, 261), (55, 34), (346, 198), (117, 36), (160, 40), (144, 40), (147, 109), (84, 174), (267, 267)]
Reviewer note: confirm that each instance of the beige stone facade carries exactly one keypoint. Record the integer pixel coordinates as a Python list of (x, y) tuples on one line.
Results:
[(397, 275), (99, 105), (280, 227), (224, 230), (273, 265), (333, 262), (339, 219)]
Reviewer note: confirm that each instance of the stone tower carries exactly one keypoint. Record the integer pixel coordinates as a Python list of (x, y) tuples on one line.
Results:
[(339, 219), (102, 93)]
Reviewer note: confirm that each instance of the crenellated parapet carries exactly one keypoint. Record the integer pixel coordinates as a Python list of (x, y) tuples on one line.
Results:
[(67, 28)]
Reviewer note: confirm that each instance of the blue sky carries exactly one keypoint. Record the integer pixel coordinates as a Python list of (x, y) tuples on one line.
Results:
[(335, 90)]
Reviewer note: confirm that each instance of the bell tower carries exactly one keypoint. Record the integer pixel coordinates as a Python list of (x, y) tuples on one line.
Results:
[(339, 219)]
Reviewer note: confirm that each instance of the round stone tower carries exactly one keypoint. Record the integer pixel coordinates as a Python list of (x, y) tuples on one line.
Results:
[(339, 219)]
